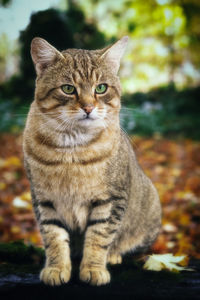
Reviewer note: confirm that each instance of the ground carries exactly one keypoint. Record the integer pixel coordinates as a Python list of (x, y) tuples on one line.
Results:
[(19, 278)]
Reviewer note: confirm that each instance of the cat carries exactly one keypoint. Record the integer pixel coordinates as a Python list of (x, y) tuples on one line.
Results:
[(81, 166)]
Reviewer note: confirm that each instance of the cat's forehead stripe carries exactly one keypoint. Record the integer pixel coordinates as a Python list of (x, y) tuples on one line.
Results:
[(83, 65)]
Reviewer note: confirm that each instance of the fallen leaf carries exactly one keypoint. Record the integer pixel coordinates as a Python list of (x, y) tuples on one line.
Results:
[(18, 202), (26, 196), (2, 186), (158, 262), (15, 229), (12, 161), (169, 227)]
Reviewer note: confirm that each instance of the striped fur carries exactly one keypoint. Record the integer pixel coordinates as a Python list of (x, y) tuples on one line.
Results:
[(83, 171)]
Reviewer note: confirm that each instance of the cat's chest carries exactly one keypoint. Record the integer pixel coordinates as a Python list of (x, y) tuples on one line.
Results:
[(76, 183), (72, 191)]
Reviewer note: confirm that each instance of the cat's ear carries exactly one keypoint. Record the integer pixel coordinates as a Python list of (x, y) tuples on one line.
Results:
[(114, 53), (43, 54)]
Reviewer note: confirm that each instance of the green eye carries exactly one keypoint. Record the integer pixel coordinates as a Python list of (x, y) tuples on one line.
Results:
[(101, 88), (68, 89)]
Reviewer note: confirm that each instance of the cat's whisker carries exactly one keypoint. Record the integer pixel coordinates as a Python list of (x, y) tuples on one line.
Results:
[(136, 147), (131, 110), (126, 107), (63, 125), (20, 115)]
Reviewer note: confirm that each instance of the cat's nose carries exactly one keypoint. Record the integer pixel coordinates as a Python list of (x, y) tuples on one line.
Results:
[(88, 108)]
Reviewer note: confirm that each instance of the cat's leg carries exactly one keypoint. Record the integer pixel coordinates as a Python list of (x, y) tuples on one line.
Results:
[(103, 224), (57, 268), (55, 235), (134, 238)]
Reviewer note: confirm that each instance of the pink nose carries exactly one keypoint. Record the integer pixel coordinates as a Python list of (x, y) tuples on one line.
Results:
[(88, 108)]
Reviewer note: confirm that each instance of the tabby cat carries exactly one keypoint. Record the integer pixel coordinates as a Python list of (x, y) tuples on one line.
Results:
[(82, 169)]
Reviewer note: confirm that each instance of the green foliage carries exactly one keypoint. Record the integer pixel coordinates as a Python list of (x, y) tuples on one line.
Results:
[(163, 110), (63, 30), (13, 115), (164, 39), (5, 2), (20, 259), (18, 252)]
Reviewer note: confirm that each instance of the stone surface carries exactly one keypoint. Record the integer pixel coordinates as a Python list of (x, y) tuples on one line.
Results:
[(129, 281)]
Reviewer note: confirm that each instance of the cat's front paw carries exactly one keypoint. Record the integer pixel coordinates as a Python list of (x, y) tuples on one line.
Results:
[(55, 276), (95, 276), (114, 259)]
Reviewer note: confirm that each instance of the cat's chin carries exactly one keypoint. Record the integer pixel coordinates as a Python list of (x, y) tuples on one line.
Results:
[(92, 123)]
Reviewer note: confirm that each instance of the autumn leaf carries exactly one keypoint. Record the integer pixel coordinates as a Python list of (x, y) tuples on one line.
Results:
[(11, 161), (173, 166), (23, 201), (158, 262)]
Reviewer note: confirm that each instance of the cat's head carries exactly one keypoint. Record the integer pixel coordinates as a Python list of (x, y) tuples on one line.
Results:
[(75, 87)]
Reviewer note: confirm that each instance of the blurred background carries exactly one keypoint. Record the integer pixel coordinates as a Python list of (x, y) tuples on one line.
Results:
[(160, 79)]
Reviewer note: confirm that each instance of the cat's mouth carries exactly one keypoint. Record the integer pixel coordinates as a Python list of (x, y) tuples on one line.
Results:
[(91, 121), (87, 118)]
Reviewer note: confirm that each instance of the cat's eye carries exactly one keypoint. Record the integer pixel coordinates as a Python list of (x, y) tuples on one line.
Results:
[(68, 89), (101, 88)]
